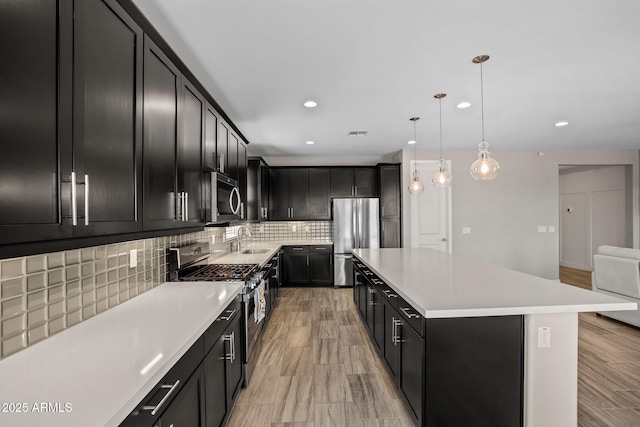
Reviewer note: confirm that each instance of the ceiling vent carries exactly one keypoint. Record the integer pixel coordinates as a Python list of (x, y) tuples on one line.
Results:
[(358, 133)]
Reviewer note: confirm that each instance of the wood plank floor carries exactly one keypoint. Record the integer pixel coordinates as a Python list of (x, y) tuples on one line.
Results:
[(318, 368)]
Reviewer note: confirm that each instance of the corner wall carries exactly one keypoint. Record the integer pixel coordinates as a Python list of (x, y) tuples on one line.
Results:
[(504, 214)]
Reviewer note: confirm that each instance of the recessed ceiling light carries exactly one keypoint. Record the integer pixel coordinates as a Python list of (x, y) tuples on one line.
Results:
[(560, 124), (310, 104), (411, 142), (464, 104), (310, 142)]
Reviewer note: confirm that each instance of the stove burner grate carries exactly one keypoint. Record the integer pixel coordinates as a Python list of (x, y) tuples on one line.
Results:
[(221, 272)]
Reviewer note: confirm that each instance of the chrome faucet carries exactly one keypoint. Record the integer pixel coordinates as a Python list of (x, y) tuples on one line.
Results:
[(248, 233)]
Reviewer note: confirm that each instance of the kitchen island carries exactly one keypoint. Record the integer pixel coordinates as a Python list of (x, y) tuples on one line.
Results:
[(474, 343)]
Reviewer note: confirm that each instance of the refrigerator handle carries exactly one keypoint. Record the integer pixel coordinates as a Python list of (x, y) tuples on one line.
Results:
[(359, 215), (354, 225)]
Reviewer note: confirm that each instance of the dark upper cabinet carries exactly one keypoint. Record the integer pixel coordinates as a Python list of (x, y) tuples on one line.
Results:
[(365, 182), (242, 178), (211, 118), (233, 167), (257, 189), (107, 118), (222, 144), (299, 193), (319, 193), (190, 151), (354, 182), (279, 194), (89, 129), (390, 205), (161, 100), (35, 165), (174, 131)]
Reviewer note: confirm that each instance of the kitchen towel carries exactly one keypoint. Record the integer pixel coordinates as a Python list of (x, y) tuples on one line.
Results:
[(260, 303)]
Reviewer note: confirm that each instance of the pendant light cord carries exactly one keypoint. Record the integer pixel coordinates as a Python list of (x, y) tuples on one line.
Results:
[(415, 147), (482, 100), (440, 102)]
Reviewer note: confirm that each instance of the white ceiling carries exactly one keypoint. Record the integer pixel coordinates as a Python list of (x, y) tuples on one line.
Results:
[(373, 64)]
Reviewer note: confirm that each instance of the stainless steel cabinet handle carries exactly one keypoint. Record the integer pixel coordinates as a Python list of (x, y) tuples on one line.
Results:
[(371, 290), (307, 259), (292, 213), (86, 199), (395, 336), (230, 355), (233, 346), (241, 210), (389, 294), (298, 249), (405, 310), (154, 409), (74, 202), (229, 316), (186, 206)]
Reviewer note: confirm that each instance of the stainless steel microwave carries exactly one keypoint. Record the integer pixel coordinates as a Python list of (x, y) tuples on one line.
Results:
[(224, 204)]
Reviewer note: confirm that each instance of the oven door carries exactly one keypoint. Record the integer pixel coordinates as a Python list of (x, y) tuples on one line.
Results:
[(253, 329), (225, 199)]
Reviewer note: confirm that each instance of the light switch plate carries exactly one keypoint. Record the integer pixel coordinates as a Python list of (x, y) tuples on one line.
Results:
[(544, 337), (542, 229), (551, 229), (466, 230), (133, 258)]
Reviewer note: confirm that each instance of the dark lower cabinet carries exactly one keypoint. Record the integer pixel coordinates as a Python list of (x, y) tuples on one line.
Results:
[(307, 265), (201, 388), (450, 372), (187, 407), (411, 369)]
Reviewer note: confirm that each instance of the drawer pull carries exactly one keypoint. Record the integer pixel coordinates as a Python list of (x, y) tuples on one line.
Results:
[(389, 294), (405, 310), (298, 249), (154, 409), (229, 316)]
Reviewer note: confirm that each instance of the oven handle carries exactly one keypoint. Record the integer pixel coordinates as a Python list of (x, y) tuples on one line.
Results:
[(237, 193)]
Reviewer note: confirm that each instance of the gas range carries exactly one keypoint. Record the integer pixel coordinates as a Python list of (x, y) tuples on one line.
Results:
[(247, 273)]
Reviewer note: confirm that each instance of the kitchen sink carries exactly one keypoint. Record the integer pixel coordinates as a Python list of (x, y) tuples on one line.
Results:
[(255, 251)]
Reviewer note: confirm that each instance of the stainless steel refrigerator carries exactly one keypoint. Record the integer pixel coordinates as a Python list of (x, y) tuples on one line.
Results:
[(356, 224)]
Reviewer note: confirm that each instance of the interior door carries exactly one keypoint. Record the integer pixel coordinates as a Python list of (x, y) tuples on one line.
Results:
[(431, 211)]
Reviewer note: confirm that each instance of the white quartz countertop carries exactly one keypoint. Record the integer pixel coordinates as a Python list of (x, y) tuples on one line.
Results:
[(271, 247), (95, 367), (440, 285)]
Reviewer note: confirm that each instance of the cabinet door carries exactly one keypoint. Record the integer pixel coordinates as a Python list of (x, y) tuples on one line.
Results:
[(319, 193), (242, 178), (296, 268), (107, 118), (390, 347), (299, 193), (321, 268), (190, 152), (187, 408), (234, 363), (232, 156), (36, 135), (411, 371), (211, 118), (222, 144), (378, 318), (161, 90), (342, 182), (264, 191), (390, 233), (365, 182), (279, 194), (216, 382), (390, 191), (371, 301)]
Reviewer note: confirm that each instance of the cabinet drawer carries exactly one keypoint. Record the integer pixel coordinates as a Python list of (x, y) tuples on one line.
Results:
[(296, 249), (322, 249), (218, 326), (389, 294), (160, 398), (411, 316)]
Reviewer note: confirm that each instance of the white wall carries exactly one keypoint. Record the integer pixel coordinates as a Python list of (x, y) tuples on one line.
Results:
[(504, 214), (595, 209)]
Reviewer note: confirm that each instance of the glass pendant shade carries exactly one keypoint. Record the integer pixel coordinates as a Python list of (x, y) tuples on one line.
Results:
[(416, 186), (484, 168), (442, 178)]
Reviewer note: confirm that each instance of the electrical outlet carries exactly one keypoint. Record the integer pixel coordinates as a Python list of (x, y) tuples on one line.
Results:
[(294, 228), (466, 230), (262, 228), (542, 229), (307, 228), (544, 337), (133, 258), (551, 229)]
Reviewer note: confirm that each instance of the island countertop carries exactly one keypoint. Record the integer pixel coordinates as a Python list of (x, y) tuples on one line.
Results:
[(440, 285)]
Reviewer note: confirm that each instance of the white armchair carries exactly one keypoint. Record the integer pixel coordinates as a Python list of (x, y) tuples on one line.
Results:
[(616, 272)]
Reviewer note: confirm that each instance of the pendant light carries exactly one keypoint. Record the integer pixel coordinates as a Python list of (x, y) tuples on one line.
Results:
[(442, 178), (416, 186), (484, 168)]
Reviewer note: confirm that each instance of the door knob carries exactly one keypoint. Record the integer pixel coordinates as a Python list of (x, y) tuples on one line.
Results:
[(444, 239)]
